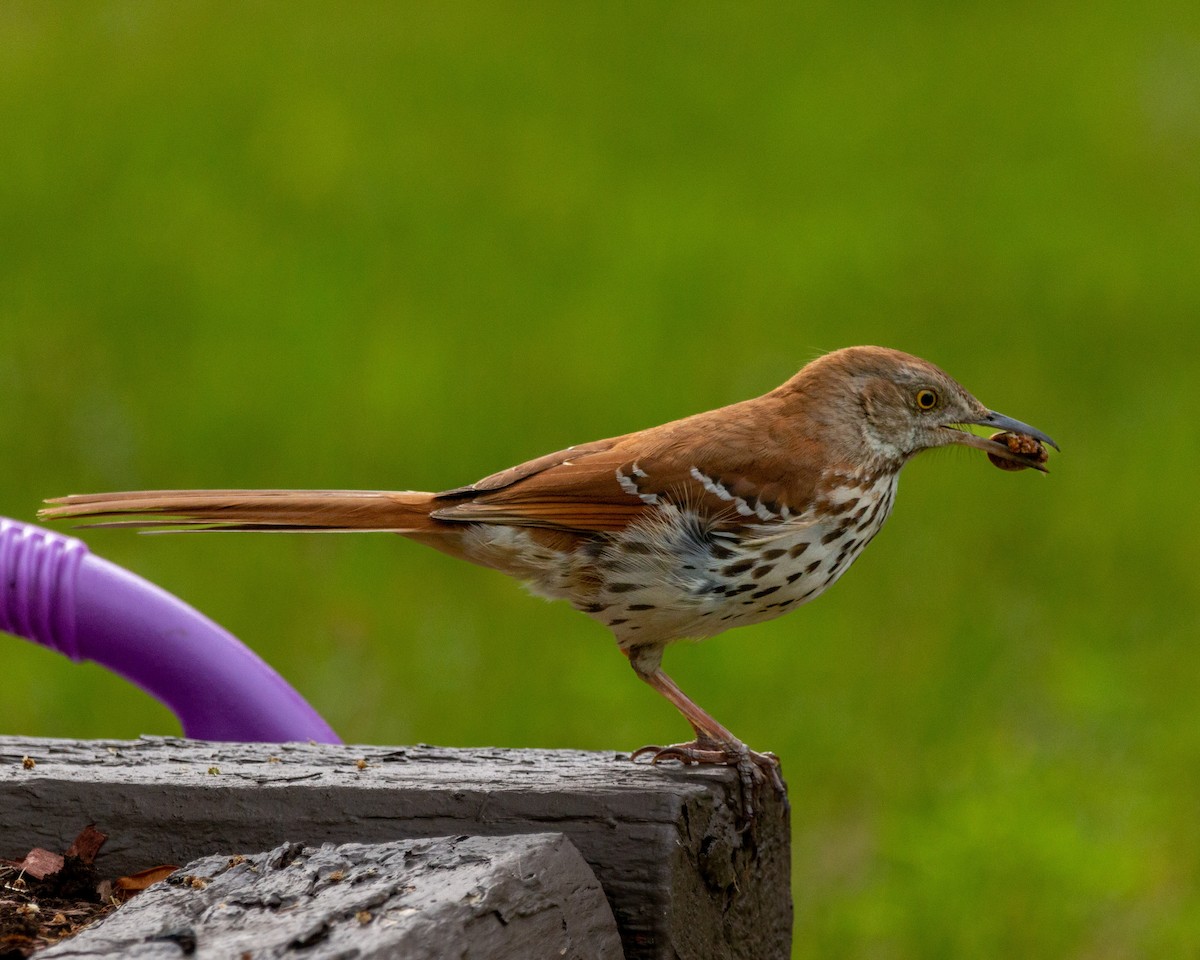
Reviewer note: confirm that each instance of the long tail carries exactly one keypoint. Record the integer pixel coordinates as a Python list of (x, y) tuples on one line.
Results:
[(283, 510)]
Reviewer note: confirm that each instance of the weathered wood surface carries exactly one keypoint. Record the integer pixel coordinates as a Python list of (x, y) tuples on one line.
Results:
[(684, 880), (487, 898)]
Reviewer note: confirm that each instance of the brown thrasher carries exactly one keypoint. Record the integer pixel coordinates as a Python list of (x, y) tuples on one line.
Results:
[(718, 520)]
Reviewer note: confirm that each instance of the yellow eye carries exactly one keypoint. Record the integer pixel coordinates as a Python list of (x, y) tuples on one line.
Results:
[(926, 399)]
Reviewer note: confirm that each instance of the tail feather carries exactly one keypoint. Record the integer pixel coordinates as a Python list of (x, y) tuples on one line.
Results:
[(282, 510)]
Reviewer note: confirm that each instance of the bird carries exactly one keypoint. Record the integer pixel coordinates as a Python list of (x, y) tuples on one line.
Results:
[(718, 520)]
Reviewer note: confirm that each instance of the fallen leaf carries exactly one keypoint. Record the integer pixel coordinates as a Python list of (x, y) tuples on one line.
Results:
[(143, 878)]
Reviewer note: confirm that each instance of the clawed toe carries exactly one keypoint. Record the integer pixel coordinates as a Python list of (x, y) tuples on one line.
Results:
[(687, 753), (754, 769), (768, 765)]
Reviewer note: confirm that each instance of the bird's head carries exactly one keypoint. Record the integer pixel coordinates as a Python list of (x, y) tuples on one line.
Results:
[(899, 405)]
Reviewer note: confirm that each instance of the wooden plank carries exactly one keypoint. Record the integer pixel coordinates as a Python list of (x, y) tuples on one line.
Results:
[(684, 879), (488, 898)]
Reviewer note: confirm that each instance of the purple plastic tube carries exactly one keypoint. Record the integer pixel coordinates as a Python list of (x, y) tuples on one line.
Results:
[(53, 591)]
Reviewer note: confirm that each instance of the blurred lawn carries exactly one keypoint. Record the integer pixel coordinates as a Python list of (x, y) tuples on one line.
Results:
[(402, 246)]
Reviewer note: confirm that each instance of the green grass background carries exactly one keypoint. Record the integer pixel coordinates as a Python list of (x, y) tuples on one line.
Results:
[(405, 245)]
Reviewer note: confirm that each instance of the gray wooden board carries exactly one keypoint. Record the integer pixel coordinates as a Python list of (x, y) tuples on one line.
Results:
[(683, 878), (487, 898)]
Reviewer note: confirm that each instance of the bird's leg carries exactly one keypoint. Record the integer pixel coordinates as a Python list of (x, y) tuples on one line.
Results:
[(714, 743)]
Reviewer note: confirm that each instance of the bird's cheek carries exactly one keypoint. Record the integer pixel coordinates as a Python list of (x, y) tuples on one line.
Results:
[(935, 435)]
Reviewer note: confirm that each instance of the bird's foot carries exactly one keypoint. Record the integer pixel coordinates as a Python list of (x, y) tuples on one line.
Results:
[(754, 768)]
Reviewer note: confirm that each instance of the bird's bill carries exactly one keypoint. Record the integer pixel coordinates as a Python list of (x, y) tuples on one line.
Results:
[(1000, 422)]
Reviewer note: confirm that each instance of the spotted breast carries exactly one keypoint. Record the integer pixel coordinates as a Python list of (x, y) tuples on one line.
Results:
[(683, 571)]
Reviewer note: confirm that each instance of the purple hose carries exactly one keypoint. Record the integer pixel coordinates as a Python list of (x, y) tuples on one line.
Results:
[(54, 592)]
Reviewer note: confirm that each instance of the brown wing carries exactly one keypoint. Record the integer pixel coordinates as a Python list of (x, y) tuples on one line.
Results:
[(506, 478), (574, 489), (723, 464)]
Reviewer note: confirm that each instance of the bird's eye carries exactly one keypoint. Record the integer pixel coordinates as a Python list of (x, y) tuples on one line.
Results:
[(926, 399)]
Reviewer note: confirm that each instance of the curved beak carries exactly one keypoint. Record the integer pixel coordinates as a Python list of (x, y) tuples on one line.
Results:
[(1001, 422), (998, 420)]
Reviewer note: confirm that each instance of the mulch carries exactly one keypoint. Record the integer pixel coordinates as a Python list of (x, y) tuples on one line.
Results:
[(46, 897)]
